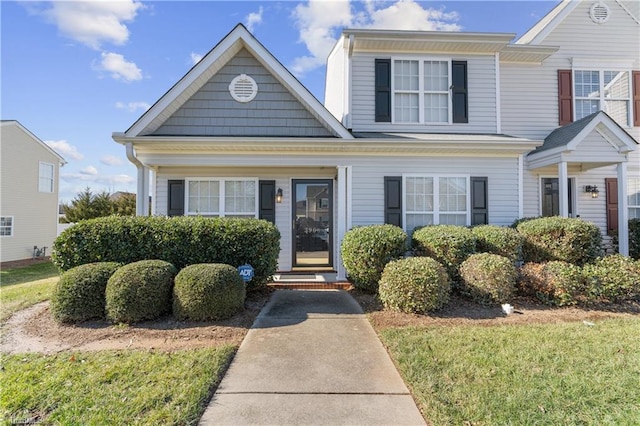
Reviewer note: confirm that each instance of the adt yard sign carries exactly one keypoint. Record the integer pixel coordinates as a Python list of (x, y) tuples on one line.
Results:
[(246, 272)]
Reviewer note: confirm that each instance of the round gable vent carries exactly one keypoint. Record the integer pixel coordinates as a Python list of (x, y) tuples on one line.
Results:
[(243, 88), (599, 13)]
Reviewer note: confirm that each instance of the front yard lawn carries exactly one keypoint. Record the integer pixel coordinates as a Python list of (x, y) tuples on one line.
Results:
[(110, 387), (559, 373), (23, 287)]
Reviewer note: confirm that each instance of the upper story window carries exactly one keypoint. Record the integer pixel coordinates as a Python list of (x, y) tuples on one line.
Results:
[(633, 197), (6, 226), (45, 177), (609, 91), (421, 91), (222, 197)]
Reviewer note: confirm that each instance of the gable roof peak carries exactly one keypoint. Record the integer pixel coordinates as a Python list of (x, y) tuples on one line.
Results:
[(238, 38)]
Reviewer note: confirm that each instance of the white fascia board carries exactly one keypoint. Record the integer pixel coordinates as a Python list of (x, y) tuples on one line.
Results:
[(292, 83), (187, 80), (626, 142), (34, 138), (548, 23)]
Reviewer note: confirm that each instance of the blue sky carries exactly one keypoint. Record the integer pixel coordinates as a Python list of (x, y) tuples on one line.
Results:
[(73, 72)]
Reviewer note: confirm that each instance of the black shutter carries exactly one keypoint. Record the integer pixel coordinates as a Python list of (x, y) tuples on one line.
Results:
[(176, 198), (267, 201), (459, 92), (383, 90), (479, 201), (393, 200)]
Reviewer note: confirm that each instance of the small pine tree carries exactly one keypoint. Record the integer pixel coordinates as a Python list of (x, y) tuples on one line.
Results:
[(87, 205)]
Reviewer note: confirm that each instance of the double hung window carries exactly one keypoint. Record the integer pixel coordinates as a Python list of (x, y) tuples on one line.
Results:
[(431, 200), (6, 226), (609, 91), (222, 197), (421, 91), (45, 177), (633, 198)]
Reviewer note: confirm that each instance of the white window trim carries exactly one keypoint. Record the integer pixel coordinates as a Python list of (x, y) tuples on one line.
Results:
[(436, 197), (53, 177), (221, 181), (12, 227), (629, 187), (601, 69), (421, 91)]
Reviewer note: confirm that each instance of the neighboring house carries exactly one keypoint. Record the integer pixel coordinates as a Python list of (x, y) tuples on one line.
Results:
[(419, 128), (29, 193)]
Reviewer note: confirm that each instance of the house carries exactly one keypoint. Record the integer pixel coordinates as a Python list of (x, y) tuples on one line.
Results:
[(29, 199), (417, 128)]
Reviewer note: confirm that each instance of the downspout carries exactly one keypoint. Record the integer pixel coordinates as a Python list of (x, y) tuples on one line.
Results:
[(142, 192)]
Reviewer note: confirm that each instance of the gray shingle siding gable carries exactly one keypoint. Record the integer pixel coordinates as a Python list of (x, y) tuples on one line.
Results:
[(213, 112)]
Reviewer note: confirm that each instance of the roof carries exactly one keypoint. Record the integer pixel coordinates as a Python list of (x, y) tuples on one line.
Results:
[(209, 65), (565, 135), (34, 137)]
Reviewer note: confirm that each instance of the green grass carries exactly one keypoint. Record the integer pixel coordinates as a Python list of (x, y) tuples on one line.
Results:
[(111, 387), (26, 274), (545, 374), (23, 287), (21, 296)]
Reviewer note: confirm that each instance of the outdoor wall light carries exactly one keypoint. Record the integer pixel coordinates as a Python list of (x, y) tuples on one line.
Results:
[(593, 189), (279, 195)]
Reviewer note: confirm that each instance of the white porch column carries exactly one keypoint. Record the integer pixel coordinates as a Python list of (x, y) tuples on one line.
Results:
[(343, 215), (623, 211), (142, 193), (563, 189)]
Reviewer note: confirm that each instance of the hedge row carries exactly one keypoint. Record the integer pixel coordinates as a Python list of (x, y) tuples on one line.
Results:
[(147, 290), (180, 241), (609, 279)]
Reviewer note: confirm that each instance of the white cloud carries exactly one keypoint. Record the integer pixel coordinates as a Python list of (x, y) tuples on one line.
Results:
[(119, 68), (196, 57), (319, 23), (65, 149), (97, 178), (111, 160), (133, 106), (89, 171), (94, 22), (253, 19)]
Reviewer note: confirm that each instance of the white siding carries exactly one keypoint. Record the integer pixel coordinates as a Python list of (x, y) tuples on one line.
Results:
[(336, 81), (530, 93), (481, 88), (35, 213)]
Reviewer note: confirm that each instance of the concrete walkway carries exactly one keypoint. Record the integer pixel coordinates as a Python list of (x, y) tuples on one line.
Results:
[(311, 357)]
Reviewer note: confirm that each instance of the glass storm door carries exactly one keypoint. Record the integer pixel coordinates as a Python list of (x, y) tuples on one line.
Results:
[(312, 222)]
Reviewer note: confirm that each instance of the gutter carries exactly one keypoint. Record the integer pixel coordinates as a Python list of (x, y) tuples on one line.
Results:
[(142, 192)]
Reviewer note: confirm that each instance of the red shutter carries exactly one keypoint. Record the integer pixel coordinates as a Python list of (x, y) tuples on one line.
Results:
[(611, 189), (565, 100), (635, 76)]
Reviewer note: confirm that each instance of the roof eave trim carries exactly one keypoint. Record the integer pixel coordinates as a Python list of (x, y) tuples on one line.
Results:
[(541, 30)]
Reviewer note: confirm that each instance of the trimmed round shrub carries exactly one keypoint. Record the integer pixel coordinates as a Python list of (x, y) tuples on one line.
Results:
[(181, 241), (140, 291), (208, 291), (79, 294), (506, 242), (365, 251), (414, 285), (450, 245), (613, 278), (560, 238), (489, 278), (564, 284)]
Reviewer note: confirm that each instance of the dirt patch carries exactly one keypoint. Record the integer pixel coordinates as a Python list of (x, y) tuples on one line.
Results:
[(461, 311), (34, 330)]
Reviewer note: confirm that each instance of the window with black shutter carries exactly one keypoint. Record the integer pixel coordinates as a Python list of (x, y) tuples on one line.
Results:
[(459, 92), (393, 200), (176, 198), (383, 90)]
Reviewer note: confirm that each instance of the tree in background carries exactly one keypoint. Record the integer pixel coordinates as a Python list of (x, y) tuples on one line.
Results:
[(87, 205)]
